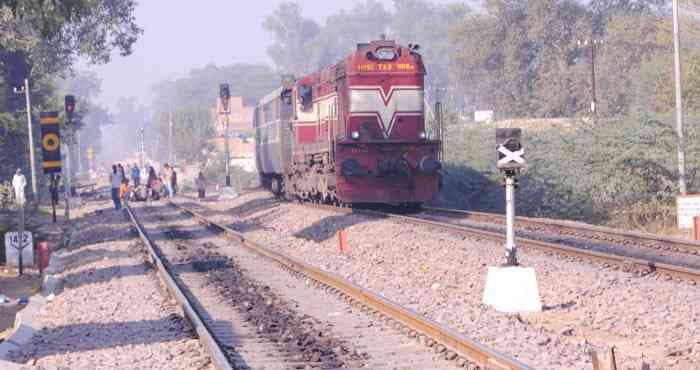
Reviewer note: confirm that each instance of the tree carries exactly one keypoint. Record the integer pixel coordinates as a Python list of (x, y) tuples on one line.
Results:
[(428, 24), (41, 39), (122, 131), (91, 118), (201, 85), (344, 30), (192, 127), (56, 32), (191, 98), (293, 35), (521, 57)]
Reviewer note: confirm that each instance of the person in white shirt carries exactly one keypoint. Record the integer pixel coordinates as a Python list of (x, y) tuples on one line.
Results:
[(19, 182)]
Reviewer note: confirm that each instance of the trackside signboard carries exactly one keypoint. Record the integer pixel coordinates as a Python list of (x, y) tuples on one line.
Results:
[(687, 206)]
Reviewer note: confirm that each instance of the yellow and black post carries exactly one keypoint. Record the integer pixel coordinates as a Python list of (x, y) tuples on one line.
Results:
[(51, 152)]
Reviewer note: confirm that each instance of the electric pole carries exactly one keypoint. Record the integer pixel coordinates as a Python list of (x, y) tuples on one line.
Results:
[(31, 139), (679, 102), (66, 177), (80, 162), (143, 148), (70, 131), (32, 165), (170, 136), (593, 45)]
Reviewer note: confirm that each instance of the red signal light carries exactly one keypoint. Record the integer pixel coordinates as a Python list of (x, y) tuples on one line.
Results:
[(70, 104)]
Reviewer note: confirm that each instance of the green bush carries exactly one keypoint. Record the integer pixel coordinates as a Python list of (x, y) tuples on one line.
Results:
[(621, 172)]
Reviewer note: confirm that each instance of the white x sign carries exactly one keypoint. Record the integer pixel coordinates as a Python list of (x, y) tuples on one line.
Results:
[(516, 156)]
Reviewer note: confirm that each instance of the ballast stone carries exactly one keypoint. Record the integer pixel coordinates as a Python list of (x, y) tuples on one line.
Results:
[(228, 192), (512, 289)]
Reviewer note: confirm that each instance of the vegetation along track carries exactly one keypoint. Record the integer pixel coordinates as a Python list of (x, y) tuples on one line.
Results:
[(364, 309), (642, 262)]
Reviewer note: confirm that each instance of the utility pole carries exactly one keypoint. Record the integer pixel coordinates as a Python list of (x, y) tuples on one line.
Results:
[(70, 131), (593, 44), (170, 136), (679, 102), (31, 139), (80, 162), (143, 148), (32, 165), (67, 176)]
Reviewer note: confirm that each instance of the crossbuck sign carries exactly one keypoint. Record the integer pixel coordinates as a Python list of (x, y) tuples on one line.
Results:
[(510, 159)]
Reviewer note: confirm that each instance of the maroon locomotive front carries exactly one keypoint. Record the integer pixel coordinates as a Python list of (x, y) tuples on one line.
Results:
[(353, 132)]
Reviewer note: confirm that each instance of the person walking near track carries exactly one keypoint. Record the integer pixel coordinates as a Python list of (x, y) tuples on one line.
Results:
[(135, 176), (150, 183), (124, 192), (173, 181), (120, 169), (115, 179), (201, 185), (168, 179)]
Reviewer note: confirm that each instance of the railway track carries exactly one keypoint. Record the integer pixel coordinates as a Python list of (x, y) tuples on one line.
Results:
[(643, 265), (591, 232), (361, 330)]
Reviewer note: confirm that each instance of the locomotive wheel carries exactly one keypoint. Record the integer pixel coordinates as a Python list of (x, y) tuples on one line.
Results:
[(414, 207), (276, 186)]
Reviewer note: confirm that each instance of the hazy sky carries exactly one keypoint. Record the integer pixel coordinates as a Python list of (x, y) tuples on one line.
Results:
[(180, 35)]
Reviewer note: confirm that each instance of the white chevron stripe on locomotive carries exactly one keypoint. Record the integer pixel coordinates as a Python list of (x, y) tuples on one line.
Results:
[(373, 102)]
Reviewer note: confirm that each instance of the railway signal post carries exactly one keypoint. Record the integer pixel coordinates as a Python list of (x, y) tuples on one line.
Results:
[(511, 287), (51, 153), (225, 110)]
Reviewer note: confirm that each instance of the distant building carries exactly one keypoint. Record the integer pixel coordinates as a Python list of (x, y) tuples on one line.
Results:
[(483, 116), (242, 152), (240, 119)]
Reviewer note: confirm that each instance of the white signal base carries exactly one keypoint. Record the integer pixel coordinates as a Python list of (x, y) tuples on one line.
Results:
[(228, 192), (512, 289)]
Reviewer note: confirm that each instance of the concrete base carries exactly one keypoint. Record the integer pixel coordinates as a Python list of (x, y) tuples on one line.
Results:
[(12, 256), (227, 192), (512, 289)]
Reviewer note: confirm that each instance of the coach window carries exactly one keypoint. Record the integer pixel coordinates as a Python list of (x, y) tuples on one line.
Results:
[(267, 113)]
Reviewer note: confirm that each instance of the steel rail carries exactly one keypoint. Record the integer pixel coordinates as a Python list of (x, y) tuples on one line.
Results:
[(651, 266), (601, 231), (456, 342), (203, 331)]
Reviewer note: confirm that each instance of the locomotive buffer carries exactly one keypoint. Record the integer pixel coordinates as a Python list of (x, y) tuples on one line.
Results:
[(511, 287)]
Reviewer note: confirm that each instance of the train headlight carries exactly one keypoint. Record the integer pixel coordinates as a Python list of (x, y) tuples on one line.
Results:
[(422, 135), (355, 135)]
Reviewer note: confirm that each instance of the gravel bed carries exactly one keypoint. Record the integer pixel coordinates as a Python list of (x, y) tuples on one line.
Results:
[(442, 276), (281, 314), (630, 249), (112, 312)]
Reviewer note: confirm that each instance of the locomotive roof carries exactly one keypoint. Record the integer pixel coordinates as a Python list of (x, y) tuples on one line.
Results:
[(275, 94)]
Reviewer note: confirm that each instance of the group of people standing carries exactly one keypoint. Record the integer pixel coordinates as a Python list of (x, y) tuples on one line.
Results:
[(152, 189)]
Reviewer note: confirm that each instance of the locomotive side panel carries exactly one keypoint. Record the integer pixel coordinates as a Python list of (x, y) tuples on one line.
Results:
[(273, 138), (315, 116)]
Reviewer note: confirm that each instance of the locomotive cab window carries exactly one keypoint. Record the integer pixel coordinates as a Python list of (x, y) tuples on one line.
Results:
[(286, 97), (385, 54), (305, 96)]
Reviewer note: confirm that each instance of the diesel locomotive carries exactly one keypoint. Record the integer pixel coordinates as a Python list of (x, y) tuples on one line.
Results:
[(353, 132)]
